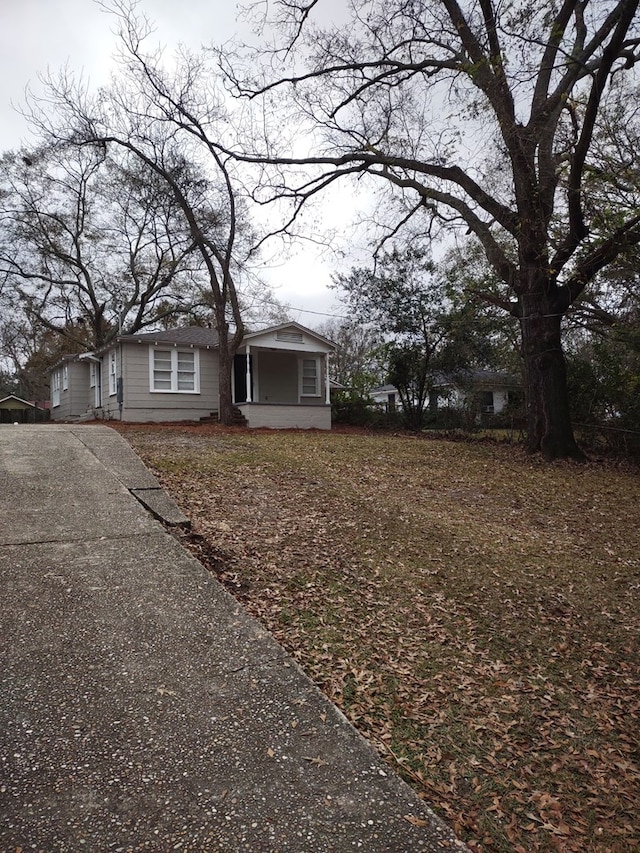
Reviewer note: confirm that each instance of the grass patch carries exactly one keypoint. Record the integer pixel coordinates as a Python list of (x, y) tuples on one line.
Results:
[(472, 610)]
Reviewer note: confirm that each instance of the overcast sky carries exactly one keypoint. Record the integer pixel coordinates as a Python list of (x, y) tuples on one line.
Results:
[(41, 35)]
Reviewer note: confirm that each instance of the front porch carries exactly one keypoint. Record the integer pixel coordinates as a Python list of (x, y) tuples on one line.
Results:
[(281, 379)]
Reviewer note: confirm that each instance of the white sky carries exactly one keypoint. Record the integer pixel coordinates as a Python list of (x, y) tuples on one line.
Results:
[(41, 35)]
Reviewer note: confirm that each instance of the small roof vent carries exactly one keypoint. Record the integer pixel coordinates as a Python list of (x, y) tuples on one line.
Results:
[(292, 337)]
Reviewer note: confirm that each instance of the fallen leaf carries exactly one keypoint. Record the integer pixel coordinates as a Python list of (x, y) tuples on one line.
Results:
[(416, 821), (318, 762)]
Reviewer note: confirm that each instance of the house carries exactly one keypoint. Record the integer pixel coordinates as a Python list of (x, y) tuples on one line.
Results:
[(279, 378), (14, 409), (487, 391), (386, 396)]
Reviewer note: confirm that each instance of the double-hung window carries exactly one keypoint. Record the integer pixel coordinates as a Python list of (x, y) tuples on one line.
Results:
[(55, 388), (174, 371), (113, 375), (65, 377), (186, 370), (310, 377)]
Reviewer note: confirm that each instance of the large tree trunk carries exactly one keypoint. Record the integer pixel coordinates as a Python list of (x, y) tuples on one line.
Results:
[(549, 429), (226, 400), (224, 376)]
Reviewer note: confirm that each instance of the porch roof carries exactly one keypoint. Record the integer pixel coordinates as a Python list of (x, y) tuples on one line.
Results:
[(288, 336)]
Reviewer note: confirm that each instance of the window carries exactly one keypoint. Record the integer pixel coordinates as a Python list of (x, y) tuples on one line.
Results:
[(55, 388), (113, 384), (65, 377), (92, 374), (161, 370), (486, 402), (310, 377), (174, 371), (186, 371)]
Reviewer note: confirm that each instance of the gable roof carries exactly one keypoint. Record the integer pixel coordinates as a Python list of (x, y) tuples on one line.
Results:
[(383, 389), (478, 377), (67, 358), (24, 403), (291, 326)]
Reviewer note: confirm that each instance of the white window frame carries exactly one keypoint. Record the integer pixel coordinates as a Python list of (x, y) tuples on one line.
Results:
[(174, 353), (65, 377), (318, 383), (92, 374), (55, 389), (113, 373)]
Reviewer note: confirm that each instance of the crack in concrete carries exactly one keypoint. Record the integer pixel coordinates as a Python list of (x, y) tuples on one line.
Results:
[(251, 665), (79, 539)]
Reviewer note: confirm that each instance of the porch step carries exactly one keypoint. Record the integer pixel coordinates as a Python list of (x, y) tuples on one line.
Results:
[(238, 419), (79, 419)]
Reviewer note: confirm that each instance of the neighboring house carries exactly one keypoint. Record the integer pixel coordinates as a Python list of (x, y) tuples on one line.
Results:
[(336, 387), (489, 390), (279, 380), (387, 396), (16, 410)]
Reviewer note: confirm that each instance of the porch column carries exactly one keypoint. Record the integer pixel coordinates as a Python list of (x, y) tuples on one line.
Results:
[(327, 387), (248, 373)]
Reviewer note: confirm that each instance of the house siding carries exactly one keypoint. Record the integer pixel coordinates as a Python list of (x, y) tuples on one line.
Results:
[(14, 409), (282, 416), (79, 388), (110, 408), (277, 377), (74, 400), (143, 405)]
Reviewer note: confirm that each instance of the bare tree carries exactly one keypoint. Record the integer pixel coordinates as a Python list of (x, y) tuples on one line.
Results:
[(89, 246), (472, 115), (175, 123), (358, 362)]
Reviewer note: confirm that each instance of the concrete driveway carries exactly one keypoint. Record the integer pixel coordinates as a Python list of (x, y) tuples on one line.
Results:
[(140, 707)]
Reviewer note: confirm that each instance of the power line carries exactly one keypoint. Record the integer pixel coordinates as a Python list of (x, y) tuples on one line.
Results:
[(285, 307), (321, 313)]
